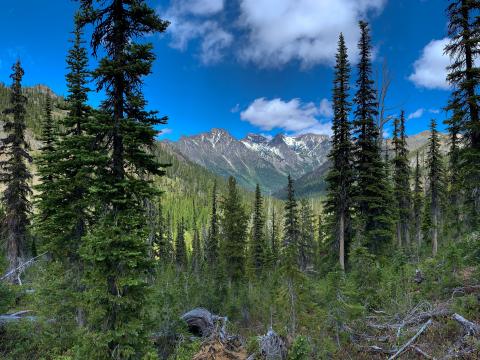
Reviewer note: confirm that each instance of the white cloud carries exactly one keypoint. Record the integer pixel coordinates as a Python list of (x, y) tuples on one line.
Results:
[(434, 111), (326, 109), (430, 70), (305, 30), (416, 114), (191, 20), (293, 116), (272, 32)]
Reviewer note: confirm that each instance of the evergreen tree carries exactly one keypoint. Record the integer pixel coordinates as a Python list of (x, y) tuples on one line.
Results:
[(180, 246), (339, 177), (196, 250), (15, 175), (159, 239), (274, 246), (291, 230), (258, 247), (372, 192), (211, 246), (435, 182), (463, 49), (455, 187), (402, 181), (67, 167), (417, 204), (116, 312), (306, 245), (234, 232)]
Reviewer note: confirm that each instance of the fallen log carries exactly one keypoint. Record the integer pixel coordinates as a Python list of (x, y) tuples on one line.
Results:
[(411, 341), (19, 315), (470, 327)]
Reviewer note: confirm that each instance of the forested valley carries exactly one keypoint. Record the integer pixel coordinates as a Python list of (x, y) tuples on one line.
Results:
[(115, 246)]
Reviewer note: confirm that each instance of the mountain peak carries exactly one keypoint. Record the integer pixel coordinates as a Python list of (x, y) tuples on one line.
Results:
[(255, 138)]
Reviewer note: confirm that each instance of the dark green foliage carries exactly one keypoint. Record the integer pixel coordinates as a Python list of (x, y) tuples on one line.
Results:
[(463, 74), (258, 246), (306, 243), (15, 175), (290, 230), (180, 246), (197, 254), (115, 251), (371, 193), (234, 233), (340, 176), (211, 246), (401, 179), (66, 194), (436, 185), (274, 240), (418, 204)]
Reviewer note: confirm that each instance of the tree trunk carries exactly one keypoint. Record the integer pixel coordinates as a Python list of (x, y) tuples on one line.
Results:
[(435, 231), (341, 239)]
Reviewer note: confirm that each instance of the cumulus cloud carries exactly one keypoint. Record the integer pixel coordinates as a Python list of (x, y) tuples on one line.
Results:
[(304, 30), (192, 20), (416, 114), (165, 132), (293, 116), (272, 32), (430, 70), (326, 109)]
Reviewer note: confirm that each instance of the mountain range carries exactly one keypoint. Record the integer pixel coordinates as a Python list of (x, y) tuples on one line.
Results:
[(268, 161)]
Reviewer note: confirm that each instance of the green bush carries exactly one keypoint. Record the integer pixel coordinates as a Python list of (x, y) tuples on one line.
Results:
[(300, 350)]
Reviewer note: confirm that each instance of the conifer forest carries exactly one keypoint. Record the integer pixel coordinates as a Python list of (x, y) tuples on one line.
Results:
[(117, 242)]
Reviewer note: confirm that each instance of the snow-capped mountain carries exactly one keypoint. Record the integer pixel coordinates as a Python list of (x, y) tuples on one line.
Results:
[(256, 158)]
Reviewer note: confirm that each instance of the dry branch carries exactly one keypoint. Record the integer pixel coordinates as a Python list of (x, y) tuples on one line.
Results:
[(412, 340)]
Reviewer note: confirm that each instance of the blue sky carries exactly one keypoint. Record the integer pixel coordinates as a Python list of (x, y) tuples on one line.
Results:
[(251, 65)]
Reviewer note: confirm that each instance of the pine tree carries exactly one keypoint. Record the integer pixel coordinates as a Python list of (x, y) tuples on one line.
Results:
[(68, 166), (234, 233), (258, 247), (196, 250), (291, 230), (455, 187), (371, 193), (180, 246), (402, 181), (339, 177), (417, 204), (463, 49), (15, 175), (211, 246), (306, 245), (435, 182), (274, 246), (115, 252)]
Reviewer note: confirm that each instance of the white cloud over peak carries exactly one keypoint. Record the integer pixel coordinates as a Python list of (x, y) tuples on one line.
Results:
[(326, 109), (305, 30), (430, 70), (292, 116), (416, 114)]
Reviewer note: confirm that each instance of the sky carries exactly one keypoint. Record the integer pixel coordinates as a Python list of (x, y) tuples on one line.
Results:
[(262, 66)]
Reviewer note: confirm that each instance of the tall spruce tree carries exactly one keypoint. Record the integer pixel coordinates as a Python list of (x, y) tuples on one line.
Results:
[(291, 229), (258, 246), (435, 182), (402, 181), (15, 175), (115, 251), (196, 250), (65, 199), (463, 74), (306, 244), (211, 246), (371, 192), (180, 246), (234, 233), (418, 205), (339, 178), (274, 246)]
